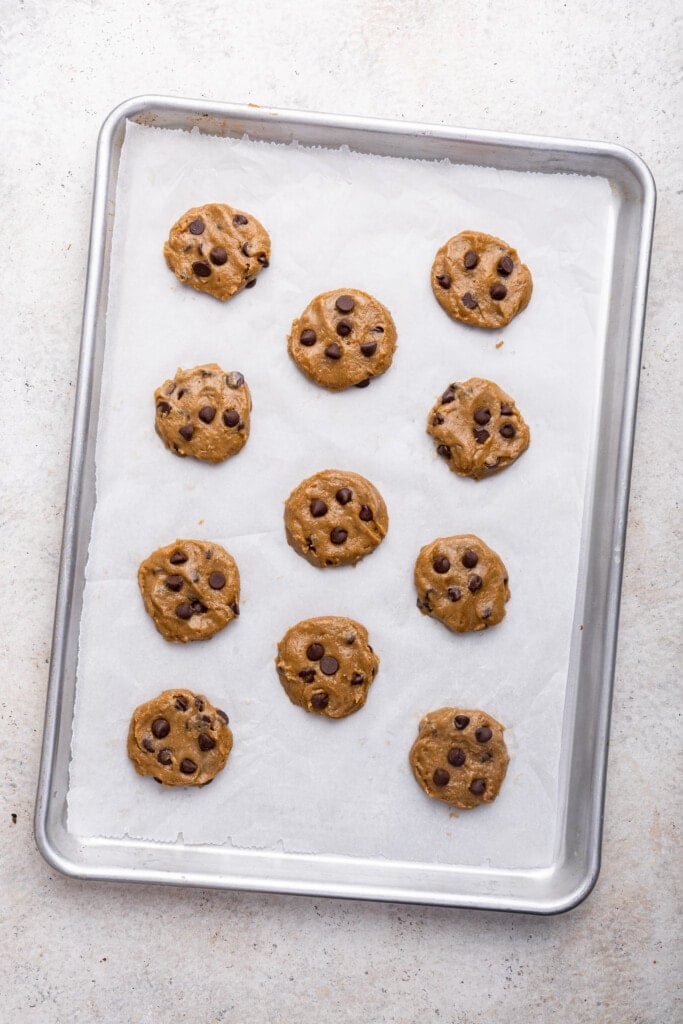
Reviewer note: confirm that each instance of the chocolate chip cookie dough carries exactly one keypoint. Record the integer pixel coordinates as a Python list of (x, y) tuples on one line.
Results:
[(218, 250), (480, 280), (191, 589), (335, 518), (203, 412), (477, 428), (460, 756), (343, 338), (462, 582), (326, 665), (179, 738)]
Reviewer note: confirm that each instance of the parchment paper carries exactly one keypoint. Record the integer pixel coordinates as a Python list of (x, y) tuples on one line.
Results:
[(337, 219)]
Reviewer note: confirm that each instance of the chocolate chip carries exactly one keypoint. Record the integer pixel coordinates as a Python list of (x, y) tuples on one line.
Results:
[(198, 608), (329, 665), (148, 745), (160, 728), (319, 701), (231, 417), (505, 266), (461, 721), (177, 557), (206, 718), (308, 338), (480, 436), (471, 259), (362, 383), (443, 450), (368, 348), (222, 714), (441, 564), (456, 757), (201, 269), (357, 679), (333, 351), (474, 583), (338, 535), (186, 431), (437, 419), (366, 514), (174, 582), (344, 328), (506, 410), (205, 741), (498, 291), (345, 303), (315, 652), (318, 508), (240, 220), (469, 559), (481, 416), (251, 283), (187, 766), (183, 391), (307, 674), (246, 250), (444, 280), (263, 260), (478, 787), (441, 777), (218, 256), (164, 756), (469, 301), (184, 610), (454, 593), (163, 408), (483, 734), (181, 703), (507, 430), (206, 413), (486, 611), (377, 329), (199, 703), (447, 396), (234, 607), (350, 639), (216, 580), (196, 227), (344, 495), (234, 379)]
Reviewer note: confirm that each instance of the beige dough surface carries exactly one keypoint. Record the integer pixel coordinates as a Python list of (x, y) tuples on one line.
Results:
[(335, 518), (191, 589), (179, 738), (462, 582), (343, 338), (326, 665), (460, 756), (217, 249), (488, 293), (203, 412), (477, 428)]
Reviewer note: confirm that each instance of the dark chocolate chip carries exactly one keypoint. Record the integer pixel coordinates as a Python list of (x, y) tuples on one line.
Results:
[(206, 718), (329, 665), (246, 250), (222, 714), (186, 431), (506, 410), (469, 301), (199, 703), (471, 259), (461, 721), (307, 674), (345, 303), (456, 757), (160, 728), (183, 391), (486, 611), (164, 756), (201, 268), (318, 508), (234, 607), (234, 379), (444, 280), (251, 283), (441, 777), (486, 756), (368, 348), (362, 383), (206, 413), (240, 220), (350, 638), (218, 256), (344, 495), (454, 593), (216, 580), (481, 416), (205, 741), (437, 419), (448, 396), (174, 582), (483, 734), (443, 450), (441, 565), (198, 608), (148, 745), (177, 557), (338, 535), (507, 430), (366, 514), (231, 417), (184, 610), (344, 328), (481, 436), (469, 559), (478, 787), (474, 583), (357, 679), (187, 766), (196, 227), (333, 351), (498, 291), (319, 701), (315, 652), (163, 408), (377, 329), (182, 703), (263, 260), (308, 338), (505, 266)]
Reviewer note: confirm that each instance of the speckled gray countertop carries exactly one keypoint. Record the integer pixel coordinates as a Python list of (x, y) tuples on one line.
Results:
[(75, 952)]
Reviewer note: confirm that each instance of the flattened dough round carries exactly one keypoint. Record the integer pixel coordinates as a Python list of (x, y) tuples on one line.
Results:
[(462, 582), (203, 412)]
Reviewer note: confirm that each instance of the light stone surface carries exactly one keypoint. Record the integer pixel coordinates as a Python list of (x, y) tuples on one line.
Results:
[(77, 952)]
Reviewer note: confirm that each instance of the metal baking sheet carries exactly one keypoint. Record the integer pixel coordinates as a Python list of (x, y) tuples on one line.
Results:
[(570, 876)]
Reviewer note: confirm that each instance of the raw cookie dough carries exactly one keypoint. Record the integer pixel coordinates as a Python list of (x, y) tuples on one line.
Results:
[(343, 338), (335, 518), (477, 427), (326, 665), (203, 412), (461, 581), (218, 250), (480, 280), (460, 756), (179, 738), (191, 588)]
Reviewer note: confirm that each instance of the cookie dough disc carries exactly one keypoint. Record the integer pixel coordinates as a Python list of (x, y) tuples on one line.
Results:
[(460, 756), (203, 412), (480, 280), (343, 338), (179, 738), (218, 250), (326, 665), (461, 581), (335, 518), (191, 588), (477, 428)]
